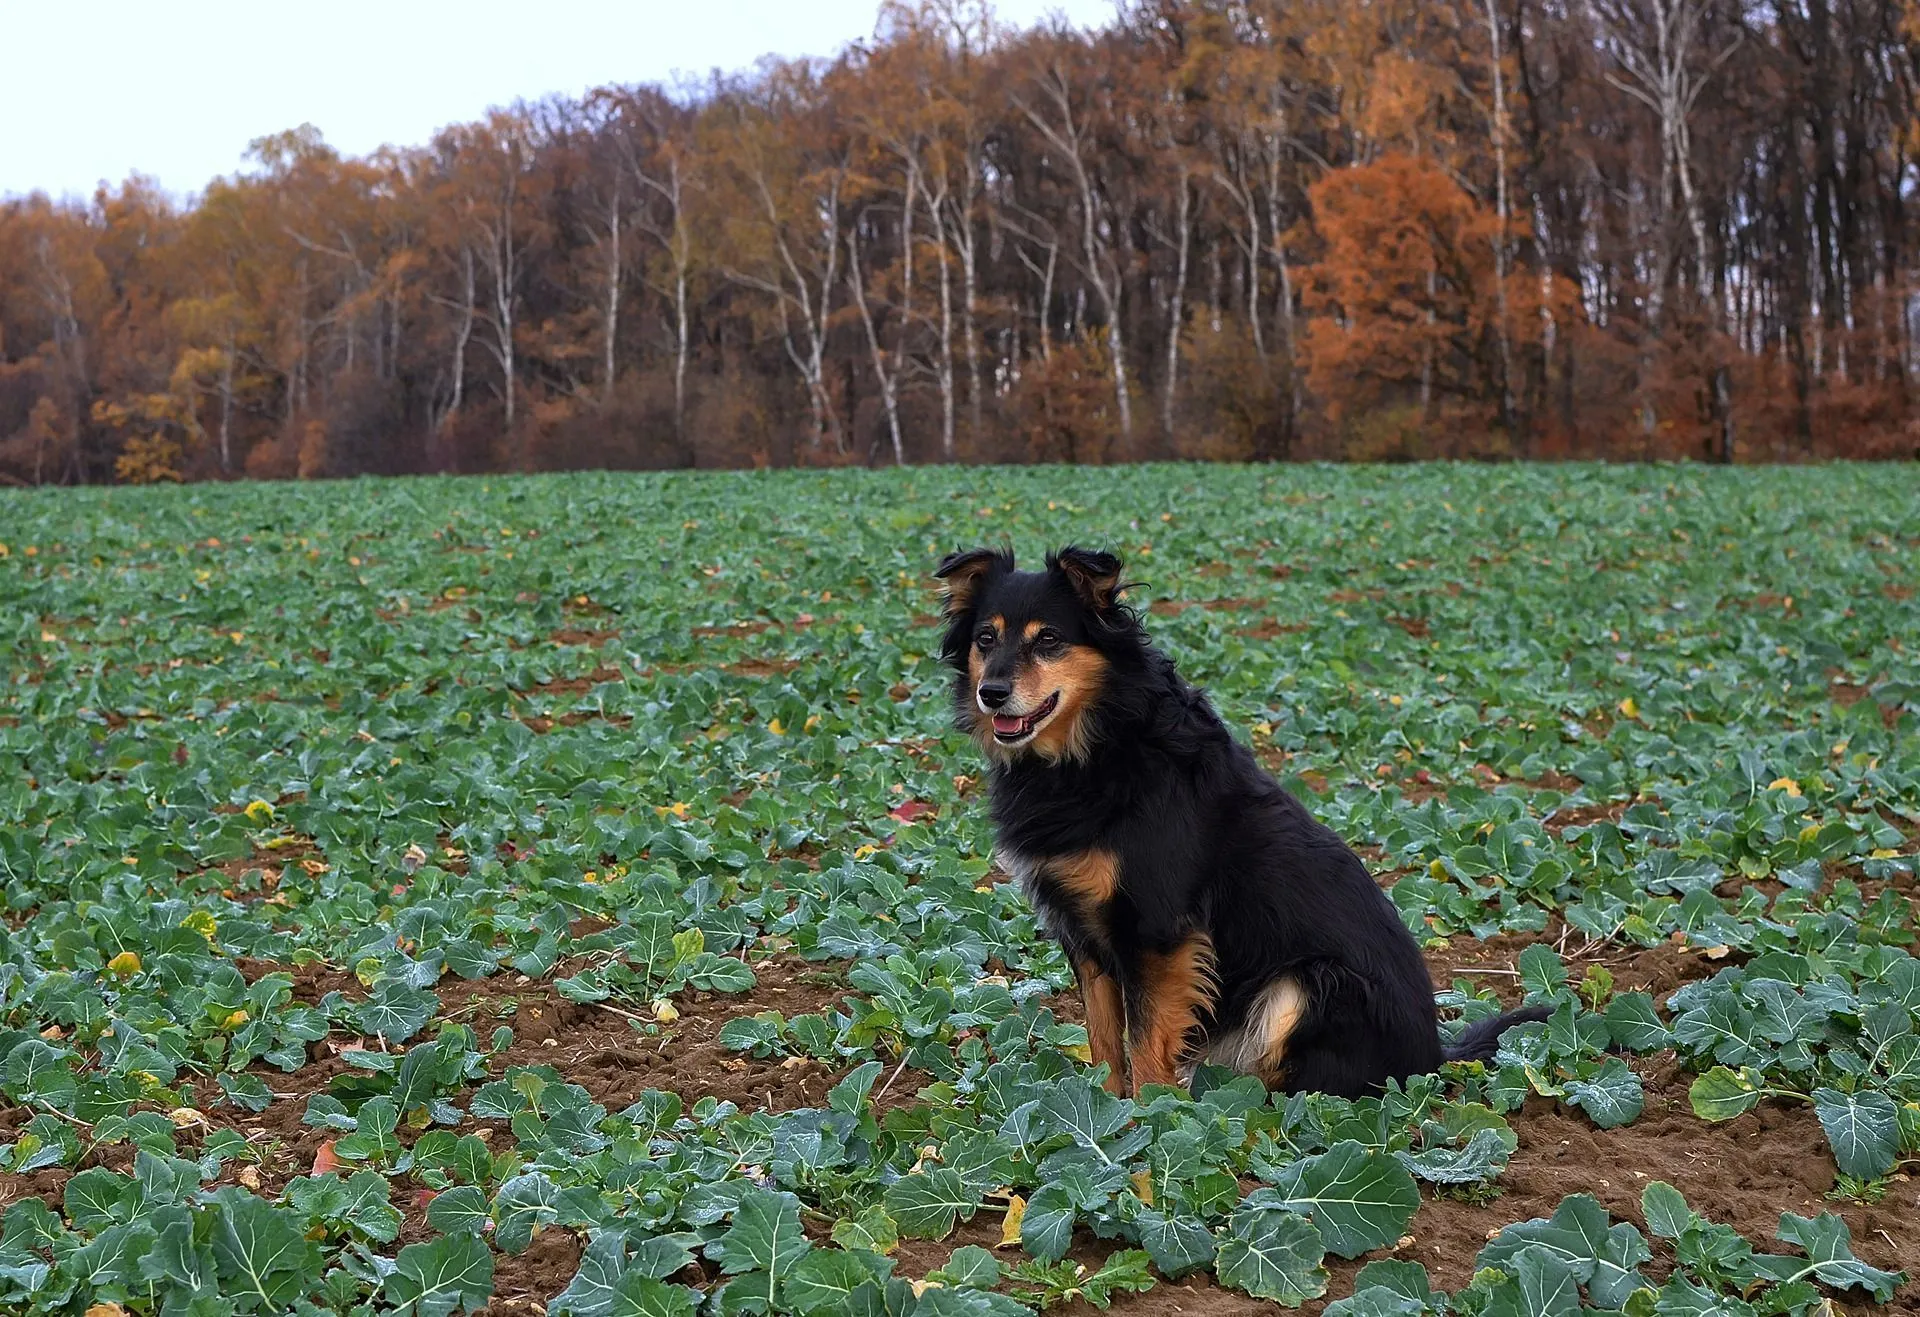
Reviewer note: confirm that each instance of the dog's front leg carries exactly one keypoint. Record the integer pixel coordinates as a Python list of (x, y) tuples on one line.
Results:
[(1174, 988), (1106, 1021)]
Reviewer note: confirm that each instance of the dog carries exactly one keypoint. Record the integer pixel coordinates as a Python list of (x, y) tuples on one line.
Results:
[(1207, 915)]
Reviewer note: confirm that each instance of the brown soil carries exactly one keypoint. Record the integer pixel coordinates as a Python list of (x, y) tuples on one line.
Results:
[(1174, 607), (576, 685), (1272, 629), (758, 667), (576, 636)]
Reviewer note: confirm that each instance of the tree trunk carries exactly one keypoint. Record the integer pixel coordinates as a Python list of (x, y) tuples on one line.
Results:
[(1183, 224)]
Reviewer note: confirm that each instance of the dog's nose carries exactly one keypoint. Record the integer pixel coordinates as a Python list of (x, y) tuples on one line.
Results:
[(993, 694)]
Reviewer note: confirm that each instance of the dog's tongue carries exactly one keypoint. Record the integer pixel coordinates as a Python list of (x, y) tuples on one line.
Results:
[(1007, 726)]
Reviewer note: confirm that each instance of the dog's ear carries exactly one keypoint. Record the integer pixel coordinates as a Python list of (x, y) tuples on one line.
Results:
[(961, 575), (1094, 574)]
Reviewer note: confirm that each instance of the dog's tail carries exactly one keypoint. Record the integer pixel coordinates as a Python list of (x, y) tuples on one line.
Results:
[(1481, 1039)]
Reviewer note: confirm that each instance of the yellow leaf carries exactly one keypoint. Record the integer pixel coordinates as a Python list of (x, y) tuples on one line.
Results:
[(774, 726), (813, 721), (1080, 1052), (106, 1310), (1884, 853), (1628, 709), (125, 965), (1786, 784), (663, 1011), (1809, 832), (1010, 1223), (259, 811), (1143, 1186), (182, 1117), (1438, 868), (1717, 953), (235, 1020), (202, 923)]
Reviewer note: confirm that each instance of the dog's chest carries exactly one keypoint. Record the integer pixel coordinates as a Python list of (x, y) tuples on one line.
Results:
[(1067, 898)]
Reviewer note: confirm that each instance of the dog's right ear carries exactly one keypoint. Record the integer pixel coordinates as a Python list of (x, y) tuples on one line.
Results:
[(961, 575)]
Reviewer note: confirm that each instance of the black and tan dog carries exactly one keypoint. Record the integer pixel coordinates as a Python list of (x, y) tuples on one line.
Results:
[(1208, 916)]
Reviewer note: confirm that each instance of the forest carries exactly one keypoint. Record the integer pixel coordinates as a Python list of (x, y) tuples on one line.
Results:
[(1376, 230)]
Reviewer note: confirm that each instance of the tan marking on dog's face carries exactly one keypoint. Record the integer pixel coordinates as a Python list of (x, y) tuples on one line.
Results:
[(1031, 630), (1078, 674), (1176, 989)]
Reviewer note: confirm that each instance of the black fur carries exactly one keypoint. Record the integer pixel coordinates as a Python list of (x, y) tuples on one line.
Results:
[(1207, 841)]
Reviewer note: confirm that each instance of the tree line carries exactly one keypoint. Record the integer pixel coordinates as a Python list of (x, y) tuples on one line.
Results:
[(1258, 229)]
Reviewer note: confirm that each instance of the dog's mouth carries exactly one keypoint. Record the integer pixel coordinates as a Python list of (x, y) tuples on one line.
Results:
[(1011, 729)]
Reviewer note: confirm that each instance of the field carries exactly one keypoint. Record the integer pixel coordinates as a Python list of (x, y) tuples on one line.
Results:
[(568, 894)]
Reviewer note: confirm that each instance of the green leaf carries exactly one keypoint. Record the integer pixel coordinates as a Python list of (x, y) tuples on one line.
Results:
[(261, 1254), (637, 1296), (1272, 1254), (824, 1281), (1864, 1129), (926, 1204), (1665, 1210), (1721, 1094), (1633, 1023), (1600, 1255), (1046, 1228), (1612, 1097), (1548, 1286), (524, 1205), (1176, 1244), (1541, 973), (850, 1094), (873, 1230), (765, 1235), (1359, 1199), (970, 1267), (1828, 1244), (458, 1211), (1486, 1153), (395, 1012), (442, 1276)]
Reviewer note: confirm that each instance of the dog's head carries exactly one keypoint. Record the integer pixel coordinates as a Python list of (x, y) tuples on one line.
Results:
[(1034, 650)]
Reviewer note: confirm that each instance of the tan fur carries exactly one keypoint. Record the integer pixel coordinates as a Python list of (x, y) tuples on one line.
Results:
[(1259, 1047), (957, 590), (1091, 878), (1106, 1022), (1176, 988), (1078, 675)]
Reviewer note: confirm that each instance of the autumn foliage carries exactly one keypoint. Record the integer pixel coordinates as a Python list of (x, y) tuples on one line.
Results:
[(1323, 228)]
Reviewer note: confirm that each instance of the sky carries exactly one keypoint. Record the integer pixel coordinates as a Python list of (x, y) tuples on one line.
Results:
[(97, 89)]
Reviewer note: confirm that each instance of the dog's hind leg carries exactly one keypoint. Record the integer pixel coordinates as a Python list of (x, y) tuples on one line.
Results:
[(1175, 989), (1259, 1046), (1106, 1021)]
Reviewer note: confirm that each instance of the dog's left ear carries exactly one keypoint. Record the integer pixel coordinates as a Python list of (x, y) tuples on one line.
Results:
[(961, 574), (1095, 575)]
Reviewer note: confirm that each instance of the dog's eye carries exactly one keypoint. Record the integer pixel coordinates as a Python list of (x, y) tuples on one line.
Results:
[(1048, 639), (986, 639)]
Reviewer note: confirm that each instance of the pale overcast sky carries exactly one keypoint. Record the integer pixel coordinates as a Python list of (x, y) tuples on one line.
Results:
[(96, 89)]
